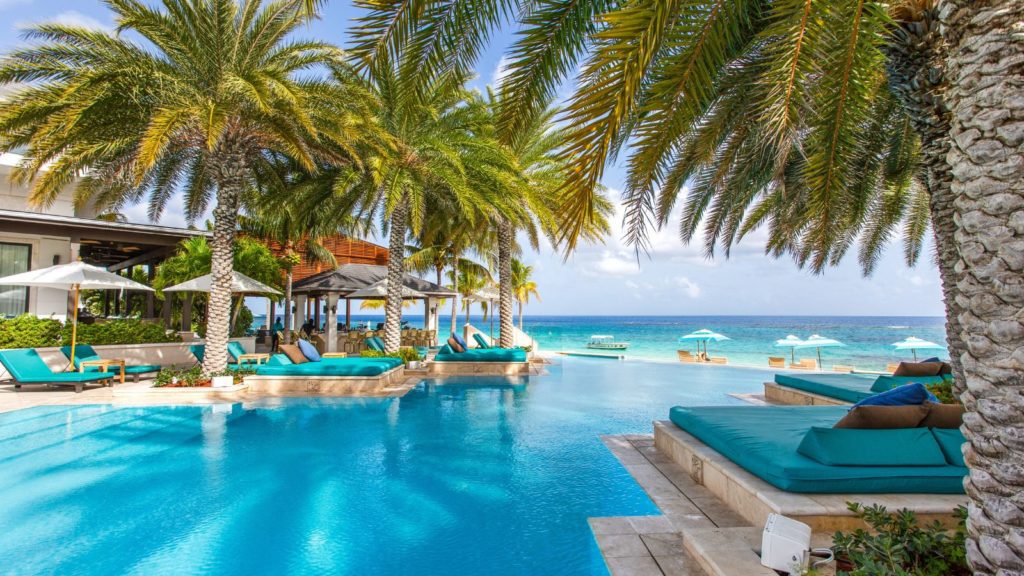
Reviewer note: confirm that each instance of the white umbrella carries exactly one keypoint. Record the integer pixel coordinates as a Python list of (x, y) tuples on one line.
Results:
[(74, 276), (820, 342), (485, 295), (703, 335), (379, 290), (240, 284), (791, 342), (914, 344)]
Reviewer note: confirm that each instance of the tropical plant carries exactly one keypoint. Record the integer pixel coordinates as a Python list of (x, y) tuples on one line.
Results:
[(523, 287), (986, 78), (213, 88), (130, 331), (29, 331), (466, 282)]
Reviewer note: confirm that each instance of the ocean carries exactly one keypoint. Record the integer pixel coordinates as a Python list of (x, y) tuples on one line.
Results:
[(868, 339)]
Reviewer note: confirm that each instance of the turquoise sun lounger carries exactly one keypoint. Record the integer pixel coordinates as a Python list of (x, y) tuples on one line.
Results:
[(281, 365), (850, 388), (764, 440), (26, 367), (235, 350), (85, 352), (446, 354), (480, 342)]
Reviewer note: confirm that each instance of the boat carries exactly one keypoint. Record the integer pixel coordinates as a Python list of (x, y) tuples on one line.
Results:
[(600, 342)]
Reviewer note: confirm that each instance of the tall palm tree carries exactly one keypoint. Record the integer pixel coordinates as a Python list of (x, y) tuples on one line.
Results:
[(986, 79), (217, 86), (523, 287)]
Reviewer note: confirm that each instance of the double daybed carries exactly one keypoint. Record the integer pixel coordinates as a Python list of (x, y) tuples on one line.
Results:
[(479, 361), (844, 388)]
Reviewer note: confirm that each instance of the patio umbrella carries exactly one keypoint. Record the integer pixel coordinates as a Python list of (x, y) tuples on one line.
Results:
[(791, 342), (914, 344), (74, 276), (703, 335), (379, 290), (820, 342), (485, 295), (240, 284)]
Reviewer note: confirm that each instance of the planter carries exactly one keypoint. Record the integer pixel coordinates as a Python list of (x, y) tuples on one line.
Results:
[(415, 365), (223, 381)]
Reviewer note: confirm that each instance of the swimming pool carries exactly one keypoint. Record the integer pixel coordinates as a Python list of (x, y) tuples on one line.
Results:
[(457, 477)]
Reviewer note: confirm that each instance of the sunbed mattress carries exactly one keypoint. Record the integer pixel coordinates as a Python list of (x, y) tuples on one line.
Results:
[(763, 440), (483, 355), (850, 388), (332, 367)]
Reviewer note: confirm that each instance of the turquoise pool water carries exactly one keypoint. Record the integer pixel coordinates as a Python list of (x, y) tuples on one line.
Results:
[(481, 476)]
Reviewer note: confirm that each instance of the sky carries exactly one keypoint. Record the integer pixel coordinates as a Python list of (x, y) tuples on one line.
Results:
[(609, 279)]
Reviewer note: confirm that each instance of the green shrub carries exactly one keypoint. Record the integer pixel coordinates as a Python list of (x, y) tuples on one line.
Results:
[(193, 376), (241, 327), (28, 331), (944, 392), (406, 354), (895, 544), (120, 332)]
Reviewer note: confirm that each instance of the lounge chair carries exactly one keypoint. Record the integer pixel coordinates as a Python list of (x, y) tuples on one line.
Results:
[(842, 368), (805, 364), (776, 362), (235, 350), (85, 353), (890, 368), (481, 343), (26, 367), (281, 365), (375, 343), (766, 441), (850, 388), (685, 356), (718, 360)]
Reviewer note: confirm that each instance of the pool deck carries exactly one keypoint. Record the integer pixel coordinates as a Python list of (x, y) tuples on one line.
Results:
[(697, 534)]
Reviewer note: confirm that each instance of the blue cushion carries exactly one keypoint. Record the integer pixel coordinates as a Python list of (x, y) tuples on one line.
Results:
[(445, 350), (951, 440), (309, 351), (860, 447), (460, 341), (25, 365), (907, 395), (516, 355), (932, 359), (885, 382), (339, 367), (480, 342)]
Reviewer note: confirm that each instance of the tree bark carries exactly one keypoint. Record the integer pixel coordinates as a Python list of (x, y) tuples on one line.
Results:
[(287, 336), (455, 288), (396, 273), (231, 182), (915, 60), (506, 325), (520, 315), (986, 98)]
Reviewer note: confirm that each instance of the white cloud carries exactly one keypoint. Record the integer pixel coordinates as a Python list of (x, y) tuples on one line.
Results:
[(690, 288), (611, 264), (68, 18), (500, 71)]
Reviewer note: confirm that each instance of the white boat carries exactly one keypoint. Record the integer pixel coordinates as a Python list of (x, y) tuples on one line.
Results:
[(600, 342)]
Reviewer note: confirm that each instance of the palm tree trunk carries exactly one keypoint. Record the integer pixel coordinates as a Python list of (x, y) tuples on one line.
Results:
[(455, 288), (986, 76), (520, 315), (225, 217), (396, 274), (915, 57), (287, 336), (506, 325)]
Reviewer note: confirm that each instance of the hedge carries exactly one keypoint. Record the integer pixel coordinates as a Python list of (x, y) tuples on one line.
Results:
[(28, 331)]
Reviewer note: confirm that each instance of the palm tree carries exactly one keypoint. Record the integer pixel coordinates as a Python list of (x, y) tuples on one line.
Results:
[(218, 86), (523, 287), (986, 68)]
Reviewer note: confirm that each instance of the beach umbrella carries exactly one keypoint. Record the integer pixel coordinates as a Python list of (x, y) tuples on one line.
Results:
[(74, 276), (240, 284), (703, 335), (819, 342), (486, 295), (791, 342), (914, 344), (379, 290)]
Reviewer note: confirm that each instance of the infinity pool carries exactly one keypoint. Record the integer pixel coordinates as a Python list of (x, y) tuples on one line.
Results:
[(481, 476)]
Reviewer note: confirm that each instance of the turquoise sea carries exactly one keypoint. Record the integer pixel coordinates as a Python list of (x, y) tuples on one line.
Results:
[(868, 339)]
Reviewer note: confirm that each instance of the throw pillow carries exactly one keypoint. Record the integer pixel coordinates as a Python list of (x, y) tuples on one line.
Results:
[(907, 395), (456, 347), (918, 369), (309, 351), (944, 415), (293, 353), (461, 342), (849, 447), (875, 417)]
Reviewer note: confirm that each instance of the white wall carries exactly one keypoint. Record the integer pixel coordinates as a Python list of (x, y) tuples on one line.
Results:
[(15, 196)]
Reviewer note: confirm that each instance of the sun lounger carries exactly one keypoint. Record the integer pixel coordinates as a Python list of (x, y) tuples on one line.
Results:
[(776, 362), (375, 343), (890, 368), (446, 354), (764, 440), (85, 354), (26, 367), (718, 360), (850, 388), (281, 365), (235, 351), (805, 364), (842, 368), (685, 356), (481, 343)]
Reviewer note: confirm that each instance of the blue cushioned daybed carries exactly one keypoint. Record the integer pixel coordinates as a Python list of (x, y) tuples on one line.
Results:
[(85, 352), (25, 366), (764, 440), (281, 365), (446, 354), (850, 388)]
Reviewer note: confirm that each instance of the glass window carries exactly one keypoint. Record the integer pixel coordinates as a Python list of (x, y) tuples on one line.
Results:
[(14, 259)]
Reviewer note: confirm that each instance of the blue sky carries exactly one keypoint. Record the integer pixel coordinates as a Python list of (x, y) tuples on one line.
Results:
[(607, 279)]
